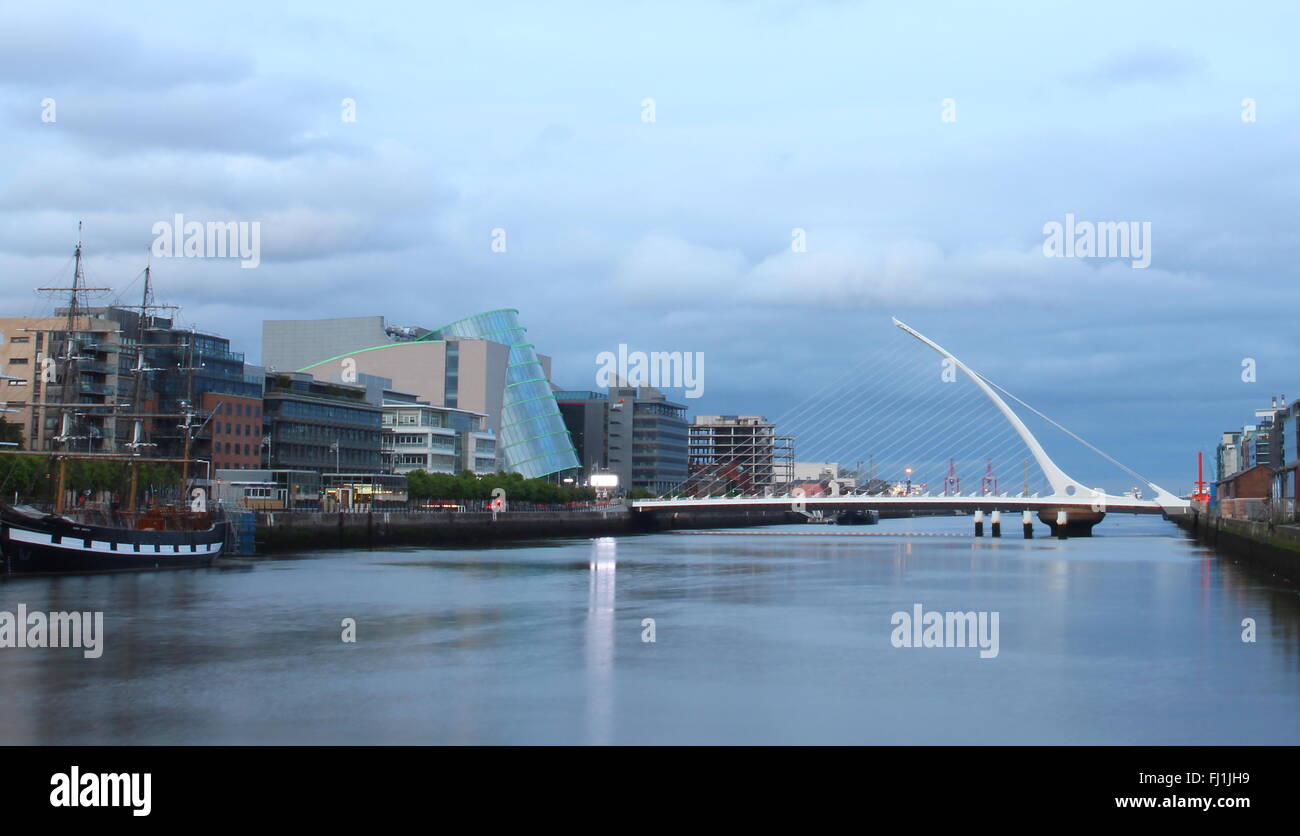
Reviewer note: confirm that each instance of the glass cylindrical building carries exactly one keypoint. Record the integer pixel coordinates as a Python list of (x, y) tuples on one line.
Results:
[(534, 441)]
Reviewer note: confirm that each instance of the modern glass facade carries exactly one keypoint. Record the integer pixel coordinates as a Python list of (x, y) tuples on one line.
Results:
[(659, 446), (305, 418), (534, 441)]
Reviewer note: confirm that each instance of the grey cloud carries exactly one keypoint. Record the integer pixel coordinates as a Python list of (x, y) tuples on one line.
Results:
[(1140, 64), (266, 118), (62, 52)]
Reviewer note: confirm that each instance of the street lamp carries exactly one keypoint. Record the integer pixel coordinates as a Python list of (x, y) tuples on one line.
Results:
[(907, 490)]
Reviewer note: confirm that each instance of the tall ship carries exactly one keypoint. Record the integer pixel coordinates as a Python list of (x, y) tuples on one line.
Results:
[(173, 529)]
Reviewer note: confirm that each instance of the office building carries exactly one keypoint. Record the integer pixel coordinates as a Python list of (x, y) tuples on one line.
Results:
[(586, 416), (1228, 455), (435, 439), (646, 439), (233, 431), (325, 427), (636, 434), (482, 364)]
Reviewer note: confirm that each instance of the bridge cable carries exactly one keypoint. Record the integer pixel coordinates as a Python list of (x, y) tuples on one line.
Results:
[(1073, 435)]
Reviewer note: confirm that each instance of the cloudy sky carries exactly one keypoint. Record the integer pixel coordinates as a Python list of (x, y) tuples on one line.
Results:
[(675, 232)]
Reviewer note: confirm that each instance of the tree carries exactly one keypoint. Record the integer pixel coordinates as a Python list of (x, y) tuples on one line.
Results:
[(11, 432), (468, 486), (26, 476)]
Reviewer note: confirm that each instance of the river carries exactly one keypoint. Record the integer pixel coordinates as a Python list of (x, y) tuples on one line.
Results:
[(776, 635)]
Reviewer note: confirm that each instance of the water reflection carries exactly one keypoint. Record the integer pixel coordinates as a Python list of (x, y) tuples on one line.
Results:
[(600, 640), (1133, 637)]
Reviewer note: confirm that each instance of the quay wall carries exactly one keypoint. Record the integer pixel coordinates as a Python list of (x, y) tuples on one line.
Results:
[(290, 531), (666, 520), (1274, 548)]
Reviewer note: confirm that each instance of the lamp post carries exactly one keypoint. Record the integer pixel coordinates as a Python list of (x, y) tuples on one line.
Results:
[(907, 484)]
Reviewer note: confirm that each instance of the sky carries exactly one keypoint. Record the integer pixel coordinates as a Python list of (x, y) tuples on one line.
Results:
[(655, 166)]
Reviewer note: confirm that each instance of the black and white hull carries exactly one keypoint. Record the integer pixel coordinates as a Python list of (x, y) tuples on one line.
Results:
[(857, 517), (38, 544)]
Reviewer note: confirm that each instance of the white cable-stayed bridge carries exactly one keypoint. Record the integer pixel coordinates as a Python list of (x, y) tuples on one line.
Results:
[(920, 433)]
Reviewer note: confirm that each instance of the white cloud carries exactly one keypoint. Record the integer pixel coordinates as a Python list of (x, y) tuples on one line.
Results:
[(846, 270)]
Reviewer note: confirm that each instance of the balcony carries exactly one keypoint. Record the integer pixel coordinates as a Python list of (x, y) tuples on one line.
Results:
[(89, 388), (228, 356)]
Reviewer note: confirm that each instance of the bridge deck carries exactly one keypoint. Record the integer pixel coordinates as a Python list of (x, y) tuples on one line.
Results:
[(1109, 504)]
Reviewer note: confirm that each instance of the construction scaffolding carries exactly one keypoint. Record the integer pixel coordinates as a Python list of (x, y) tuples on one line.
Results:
[(737, 454)]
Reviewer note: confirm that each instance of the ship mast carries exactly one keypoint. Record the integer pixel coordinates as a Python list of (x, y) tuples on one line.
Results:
[(71, 348), (187, 427), (70, 373), (67, 363), (64, 364), (137, 432)]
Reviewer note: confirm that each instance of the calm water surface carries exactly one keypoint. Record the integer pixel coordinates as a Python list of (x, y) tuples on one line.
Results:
[(1133, 636)]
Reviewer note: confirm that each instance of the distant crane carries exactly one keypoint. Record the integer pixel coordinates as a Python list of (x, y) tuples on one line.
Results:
[(952, 482), (988, 482)]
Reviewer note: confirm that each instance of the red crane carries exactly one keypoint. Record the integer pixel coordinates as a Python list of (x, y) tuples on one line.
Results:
[(1200, 494), (989, 482), (952, 482)]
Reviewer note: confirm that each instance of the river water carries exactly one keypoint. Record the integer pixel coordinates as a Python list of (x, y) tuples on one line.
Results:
[(775, 635)]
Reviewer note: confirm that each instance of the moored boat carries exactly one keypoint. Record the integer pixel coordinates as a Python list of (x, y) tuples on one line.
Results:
[(176, 536), (857, 517), (34, 542)]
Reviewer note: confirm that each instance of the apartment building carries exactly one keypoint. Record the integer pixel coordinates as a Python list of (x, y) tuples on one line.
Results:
[(436, 439)]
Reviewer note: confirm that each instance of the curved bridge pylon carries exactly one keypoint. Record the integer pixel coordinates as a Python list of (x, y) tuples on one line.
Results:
[(1064, 488)]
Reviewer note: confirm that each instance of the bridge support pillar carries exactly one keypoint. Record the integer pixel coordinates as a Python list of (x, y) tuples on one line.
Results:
[(1071, 522), (995, 524), (1027, 521), (979, 523)]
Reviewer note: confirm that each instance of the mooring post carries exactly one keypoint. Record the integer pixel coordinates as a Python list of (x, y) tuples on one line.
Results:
[(1027, 520), (1062, 518), (995, 523), (979, 523)]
